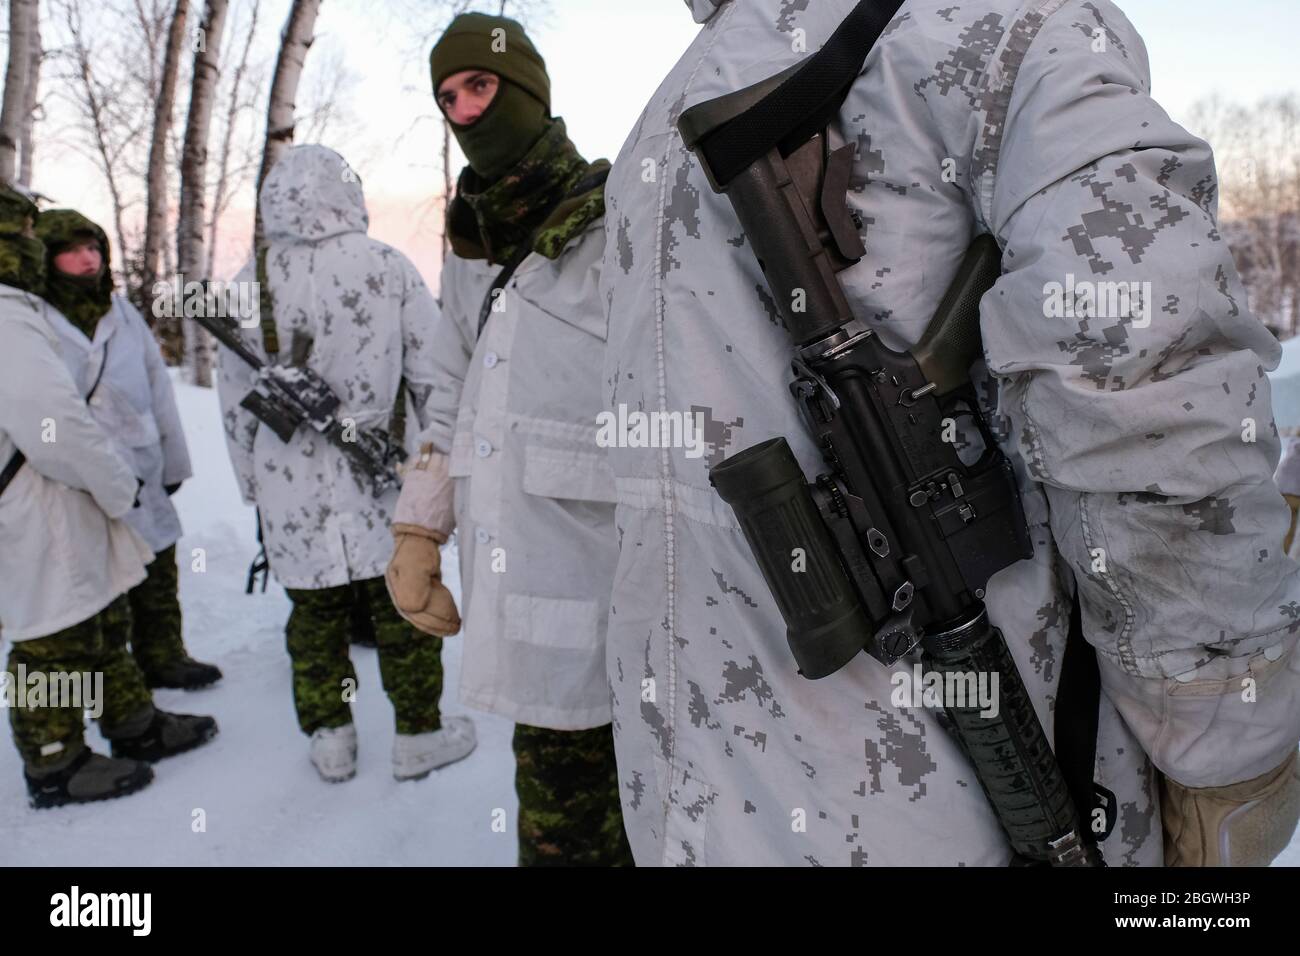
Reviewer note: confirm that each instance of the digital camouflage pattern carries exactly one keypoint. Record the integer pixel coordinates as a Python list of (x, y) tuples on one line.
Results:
[(318, 634), (569, 811), (94, 646), (572, 216), (156, 624), (1032, 120), (359, 314)]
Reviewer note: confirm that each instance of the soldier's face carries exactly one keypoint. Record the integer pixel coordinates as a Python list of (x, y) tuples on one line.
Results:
[(465, 95), (82, 259)]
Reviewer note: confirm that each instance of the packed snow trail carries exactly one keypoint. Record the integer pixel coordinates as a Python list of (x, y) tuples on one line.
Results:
[(262, 802)]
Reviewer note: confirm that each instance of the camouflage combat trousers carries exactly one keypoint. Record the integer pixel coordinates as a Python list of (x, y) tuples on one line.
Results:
[(50, 736), (569, 812), (156, 615), (318, 634)]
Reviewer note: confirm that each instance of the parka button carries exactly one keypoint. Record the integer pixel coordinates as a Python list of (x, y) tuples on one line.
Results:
[(483, 448), (481, 536), (490, 360)]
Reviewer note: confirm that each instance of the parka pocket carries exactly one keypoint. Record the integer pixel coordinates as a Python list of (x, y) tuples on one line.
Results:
[(562, 623), (568, 473)]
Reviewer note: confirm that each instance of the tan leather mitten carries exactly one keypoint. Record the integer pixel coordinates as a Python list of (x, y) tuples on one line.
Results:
[(1242, 824), (423, 520)]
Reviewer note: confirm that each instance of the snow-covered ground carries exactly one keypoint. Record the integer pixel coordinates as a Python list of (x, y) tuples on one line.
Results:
[(262, 802)]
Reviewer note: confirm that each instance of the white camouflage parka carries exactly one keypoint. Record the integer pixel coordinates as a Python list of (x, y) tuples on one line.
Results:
[(65, 550), (135, 405), (370, 320), (1141, 477), (517, 410)]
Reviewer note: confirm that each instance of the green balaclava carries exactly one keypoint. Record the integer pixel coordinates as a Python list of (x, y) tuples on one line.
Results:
[(22, 255), (83, 300), (521, 110)]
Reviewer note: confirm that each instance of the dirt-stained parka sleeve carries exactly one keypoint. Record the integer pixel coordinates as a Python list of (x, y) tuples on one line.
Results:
[(1133, 375)]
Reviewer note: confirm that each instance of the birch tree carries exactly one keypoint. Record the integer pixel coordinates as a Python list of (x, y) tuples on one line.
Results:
[(155, 226), (237, 102), (22, 22), (32, 101), (190, 254), (295, 41)]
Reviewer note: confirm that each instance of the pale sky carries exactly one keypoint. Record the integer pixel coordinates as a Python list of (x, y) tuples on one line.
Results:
[(605, 59)]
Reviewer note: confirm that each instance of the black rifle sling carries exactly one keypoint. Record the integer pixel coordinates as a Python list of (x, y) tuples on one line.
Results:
[(1074, 731), (16, 462), (508, 270), (805, 103)]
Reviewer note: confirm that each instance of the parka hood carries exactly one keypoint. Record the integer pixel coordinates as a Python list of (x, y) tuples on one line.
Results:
[(311, 194)]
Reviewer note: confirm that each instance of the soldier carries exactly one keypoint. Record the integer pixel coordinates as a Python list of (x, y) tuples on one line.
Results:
[(513, 428), (66, 558), (135, 404), (1031, 120), (358, 314)]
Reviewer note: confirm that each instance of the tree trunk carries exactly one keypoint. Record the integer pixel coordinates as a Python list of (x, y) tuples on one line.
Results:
[(219, 197), (22, 17), (295, 41), (27, 152), (155, 222), (194, 163)]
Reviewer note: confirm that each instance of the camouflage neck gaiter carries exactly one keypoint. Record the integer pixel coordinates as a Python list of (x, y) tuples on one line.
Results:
[(83, 300), (493, 220)]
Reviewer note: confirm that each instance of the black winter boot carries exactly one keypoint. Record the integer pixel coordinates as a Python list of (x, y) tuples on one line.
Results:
[(184, 674), (88, 778), (166, 735)]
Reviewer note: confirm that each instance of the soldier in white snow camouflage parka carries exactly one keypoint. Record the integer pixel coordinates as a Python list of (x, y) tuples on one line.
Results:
[(370, 320), (356, 312), (1127, 439)]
